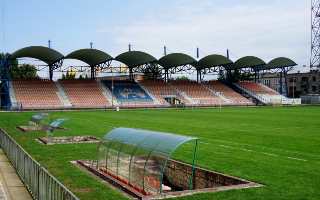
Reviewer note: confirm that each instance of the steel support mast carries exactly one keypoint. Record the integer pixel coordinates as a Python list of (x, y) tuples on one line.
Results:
[(315, 34)]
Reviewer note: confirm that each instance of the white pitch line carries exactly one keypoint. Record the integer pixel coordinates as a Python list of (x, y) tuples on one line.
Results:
[(265, 147), (270, 154), (225, 146), (204, 143), (265, 153), (292, 158), (249, 150)]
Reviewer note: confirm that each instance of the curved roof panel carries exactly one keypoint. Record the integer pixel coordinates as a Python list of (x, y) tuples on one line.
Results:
[(280, 62), (135, 58), (148, 140), (176, 60), (136, 147), (248, 62), (214, 60), (92, 57), (45, 54)]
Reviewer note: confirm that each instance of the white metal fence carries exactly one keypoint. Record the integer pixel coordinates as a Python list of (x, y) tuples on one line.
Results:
[(40, 183)]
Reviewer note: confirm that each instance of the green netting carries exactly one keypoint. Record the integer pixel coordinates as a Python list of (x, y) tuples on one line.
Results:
[(139, 157)]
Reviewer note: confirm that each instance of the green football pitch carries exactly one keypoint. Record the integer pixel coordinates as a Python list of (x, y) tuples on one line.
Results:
[(278, 147)]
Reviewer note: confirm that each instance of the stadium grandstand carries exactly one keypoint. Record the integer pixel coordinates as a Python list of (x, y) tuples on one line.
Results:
[(155, 89)]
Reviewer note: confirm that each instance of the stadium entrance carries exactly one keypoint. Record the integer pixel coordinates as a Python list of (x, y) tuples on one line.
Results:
[(173, 101)]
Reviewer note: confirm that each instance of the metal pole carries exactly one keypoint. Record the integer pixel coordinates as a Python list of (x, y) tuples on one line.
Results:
[(193, 166), (112, 88), (198, 52)]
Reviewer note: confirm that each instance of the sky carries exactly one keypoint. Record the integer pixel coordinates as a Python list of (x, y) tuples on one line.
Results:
[(266, 29)]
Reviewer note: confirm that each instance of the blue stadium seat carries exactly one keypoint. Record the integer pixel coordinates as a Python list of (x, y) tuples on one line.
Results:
[(127, 91)]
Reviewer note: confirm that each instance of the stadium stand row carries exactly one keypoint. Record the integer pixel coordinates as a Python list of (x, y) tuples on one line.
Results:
[(84, 93), (129, 94), (232, 97), (261, 92), (37, 94), (44, 94)]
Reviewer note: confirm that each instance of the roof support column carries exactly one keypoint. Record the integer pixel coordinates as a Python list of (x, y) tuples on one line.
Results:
[(166, 75), (285, 81), (92, 72), (50, 72), (131, 74), (280, 83), (198, 75)]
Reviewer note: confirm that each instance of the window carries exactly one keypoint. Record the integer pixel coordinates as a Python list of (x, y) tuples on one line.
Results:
[(314, 88), (314, 79)]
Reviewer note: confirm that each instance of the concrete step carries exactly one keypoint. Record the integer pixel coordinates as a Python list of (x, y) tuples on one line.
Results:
[(62, 95)]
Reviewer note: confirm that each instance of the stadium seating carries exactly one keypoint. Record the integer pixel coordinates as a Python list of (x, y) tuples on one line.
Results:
[(45, 94), (161, 90), (36, 94), (129, 94), (261, 92), (233, 97), (199, 94), (84, 93), (258, 88)]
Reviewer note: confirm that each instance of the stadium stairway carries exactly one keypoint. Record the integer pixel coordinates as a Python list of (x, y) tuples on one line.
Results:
[(261, 97), (188, 100), (108, 94), (224, 100), (155, 100), (13, 99), (63, 96)]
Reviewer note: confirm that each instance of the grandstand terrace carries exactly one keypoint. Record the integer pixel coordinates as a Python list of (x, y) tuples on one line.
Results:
[(129, 94), (233, 98), (159, 91), (36, 94), (84, 94), (198, 94)]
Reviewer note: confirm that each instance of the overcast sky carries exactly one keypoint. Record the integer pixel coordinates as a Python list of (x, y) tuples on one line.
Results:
[(263, 28)]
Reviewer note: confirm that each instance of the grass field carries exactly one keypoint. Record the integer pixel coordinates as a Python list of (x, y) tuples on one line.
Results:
[(277, 147)]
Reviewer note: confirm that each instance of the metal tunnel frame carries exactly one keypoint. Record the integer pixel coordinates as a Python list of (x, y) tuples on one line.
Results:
[(140, 156)]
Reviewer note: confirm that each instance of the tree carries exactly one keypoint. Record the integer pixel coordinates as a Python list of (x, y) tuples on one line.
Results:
[(182, 78), (152, 72), (236, 76), (25, 71)]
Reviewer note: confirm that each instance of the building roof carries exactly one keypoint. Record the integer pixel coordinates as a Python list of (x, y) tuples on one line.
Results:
[(135, 58), (249, 62), (45, 54), (214, 60), (280, 62), (92, 57), (176, 60)]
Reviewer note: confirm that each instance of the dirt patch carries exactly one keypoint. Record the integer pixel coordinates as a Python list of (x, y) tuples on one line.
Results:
[(35, 128), (68, 140)]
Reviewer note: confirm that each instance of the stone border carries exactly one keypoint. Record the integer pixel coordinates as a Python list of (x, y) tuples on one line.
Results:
[(129, 190), (27, 128), (69, 140)]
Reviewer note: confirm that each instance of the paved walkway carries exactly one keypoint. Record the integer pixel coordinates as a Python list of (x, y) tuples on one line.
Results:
[(11, 187)]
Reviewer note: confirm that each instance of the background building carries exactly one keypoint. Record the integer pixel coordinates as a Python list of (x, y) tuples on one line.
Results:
[(298, 84)]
